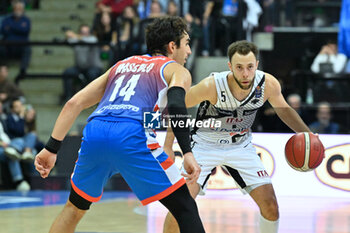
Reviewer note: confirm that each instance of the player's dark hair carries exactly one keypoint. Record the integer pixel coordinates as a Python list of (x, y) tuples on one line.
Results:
[(242, 47), (162, 31)]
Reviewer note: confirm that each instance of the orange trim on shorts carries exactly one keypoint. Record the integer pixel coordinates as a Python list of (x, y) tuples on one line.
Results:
[(165, 193), (153, 146), (167, 163), (156, 108), (84, 195)]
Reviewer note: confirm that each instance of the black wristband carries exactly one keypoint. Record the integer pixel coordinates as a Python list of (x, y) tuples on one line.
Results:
[(178, 113), (53, 145)]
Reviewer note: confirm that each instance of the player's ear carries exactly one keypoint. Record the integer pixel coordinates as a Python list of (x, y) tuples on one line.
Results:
[(257, 63), (171, 47), (229, 65)]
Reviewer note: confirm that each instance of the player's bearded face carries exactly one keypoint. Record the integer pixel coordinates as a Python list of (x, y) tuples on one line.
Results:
[(245, 85), (243, 68)]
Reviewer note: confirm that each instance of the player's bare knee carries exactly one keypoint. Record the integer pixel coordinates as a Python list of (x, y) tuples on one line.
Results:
[(270, 210), (72, 208), (173, 220)]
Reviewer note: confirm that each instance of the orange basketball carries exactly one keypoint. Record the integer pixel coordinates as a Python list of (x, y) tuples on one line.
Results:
[(304, 151)]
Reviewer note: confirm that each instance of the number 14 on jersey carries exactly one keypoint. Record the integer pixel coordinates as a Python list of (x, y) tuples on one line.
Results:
[(128, 90)]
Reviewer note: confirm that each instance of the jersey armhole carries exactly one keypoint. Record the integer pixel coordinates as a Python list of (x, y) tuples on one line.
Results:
[(161, 71)]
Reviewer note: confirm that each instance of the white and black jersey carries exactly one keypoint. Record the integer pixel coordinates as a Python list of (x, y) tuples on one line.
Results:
[(236, 117)]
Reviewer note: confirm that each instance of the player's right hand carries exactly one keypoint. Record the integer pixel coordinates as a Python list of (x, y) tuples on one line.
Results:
[(44, 162), (192, 168)]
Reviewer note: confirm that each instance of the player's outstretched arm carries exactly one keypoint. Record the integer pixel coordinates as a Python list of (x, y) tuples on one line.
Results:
[(179, 80), (87, 97), (204, 90), (168, 144), (285, 112)]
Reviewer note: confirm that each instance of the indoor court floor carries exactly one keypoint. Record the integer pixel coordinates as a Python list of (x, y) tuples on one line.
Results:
[(221, 211)]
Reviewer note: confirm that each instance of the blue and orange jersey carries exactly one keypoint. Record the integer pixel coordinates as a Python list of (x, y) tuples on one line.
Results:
[(135, 85)]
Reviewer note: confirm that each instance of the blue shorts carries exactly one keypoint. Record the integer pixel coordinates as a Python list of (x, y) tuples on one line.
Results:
[(110, 147)]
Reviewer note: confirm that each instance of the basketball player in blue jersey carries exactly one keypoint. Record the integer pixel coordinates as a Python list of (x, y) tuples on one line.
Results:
[(233, 97), (114, 140)]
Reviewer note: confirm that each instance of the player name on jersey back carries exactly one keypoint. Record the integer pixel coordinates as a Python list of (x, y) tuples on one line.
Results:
[(134, 67), (135, 85)]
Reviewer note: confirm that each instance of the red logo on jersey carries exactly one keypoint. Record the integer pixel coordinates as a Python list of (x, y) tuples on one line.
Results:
[(262, 173)]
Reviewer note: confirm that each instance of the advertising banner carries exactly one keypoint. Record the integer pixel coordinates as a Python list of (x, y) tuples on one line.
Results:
[(330, 179)]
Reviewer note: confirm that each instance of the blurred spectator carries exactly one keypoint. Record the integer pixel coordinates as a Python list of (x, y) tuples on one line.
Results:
[(105, 31), (324, 124), (271, 14), (172, 9), (251, 20), (328, 60), (232, 20), (30, 120), (30, 126), (164, 3), (127, 33), (184, 6), (9, 157), (156, 10), (211, 21), (287, 12), (16, 28), (222, 24), (144, 7), (8, 90), (294, 100), (194, 11), (16, 130), (114, 7), (88, 64)]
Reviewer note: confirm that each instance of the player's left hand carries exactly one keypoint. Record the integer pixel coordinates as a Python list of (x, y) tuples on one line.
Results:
[(44, 162), (192, 168)]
